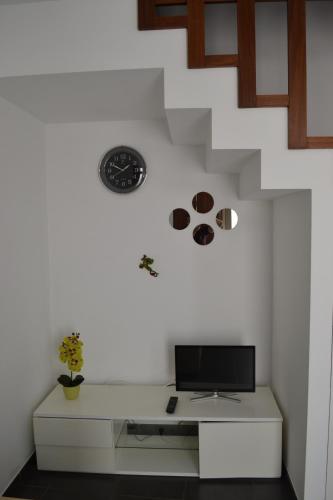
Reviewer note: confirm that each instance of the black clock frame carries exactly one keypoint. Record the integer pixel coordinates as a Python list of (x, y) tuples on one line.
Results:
[(104, 164)]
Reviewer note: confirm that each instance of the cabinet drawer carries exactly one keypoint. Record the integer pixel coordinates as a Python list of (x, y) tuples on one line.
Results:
[(73, 432), (240, 449), (75, 459)]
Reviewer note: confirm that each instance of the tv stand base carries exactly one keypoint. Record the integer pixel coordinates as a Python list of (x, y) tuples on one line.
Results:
[(206, 440), (215, 395)]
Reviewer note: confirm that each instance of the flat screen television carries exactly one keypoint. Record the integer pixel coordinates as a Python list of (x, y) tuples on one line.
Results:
[(208, 368)]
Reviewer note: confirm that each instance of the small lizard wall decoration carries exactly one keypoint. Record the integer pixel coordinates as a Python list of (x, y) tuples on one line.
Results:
[(146, 263)]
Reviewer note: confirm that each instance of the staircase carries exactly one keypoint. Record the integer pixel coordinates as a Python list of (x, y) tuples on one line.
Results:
[(201, 109), (193, 19)]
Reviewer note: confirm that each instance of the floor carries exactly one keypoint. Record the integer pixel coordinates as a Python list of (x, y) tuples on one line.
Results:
[(32, 484)]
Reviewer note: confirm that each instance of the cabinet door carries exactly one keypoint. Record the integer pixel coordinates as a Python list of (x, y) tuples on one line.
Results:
[(240, 449), (73, 432)]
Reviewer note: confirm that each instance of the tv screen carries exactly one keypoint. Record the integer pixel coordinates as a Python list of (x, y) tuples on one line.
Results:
[(215, 368)]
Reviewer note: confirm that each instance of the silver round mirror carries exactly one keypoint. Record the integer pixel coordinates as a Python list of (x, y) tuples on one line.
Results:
[(203, 234), (227, 218), (202, 202), (179, 218)]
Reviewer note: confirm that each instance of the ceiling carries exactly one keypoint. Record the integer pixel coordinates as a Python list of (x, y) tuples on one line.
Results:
[(92, 96)]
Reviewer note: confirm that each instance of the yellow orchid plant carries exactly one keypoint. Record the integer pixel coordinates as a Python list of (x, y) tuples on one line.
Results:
[(70, 352)]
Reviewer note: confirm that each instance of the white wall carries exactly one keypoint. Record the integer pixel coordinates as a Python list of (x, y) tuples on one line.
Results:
[(69, 35), (24, 321), (291, 299), (129, 320), (320, 348), (329, 484)]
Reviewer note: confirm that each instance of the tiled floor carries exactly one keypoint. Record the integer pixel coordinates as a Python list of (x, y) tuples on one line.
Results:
[(31, 483)]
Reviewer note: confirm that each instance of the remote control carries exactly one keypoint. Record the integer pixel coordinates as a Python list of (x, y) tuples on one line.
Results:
[(172, 404)]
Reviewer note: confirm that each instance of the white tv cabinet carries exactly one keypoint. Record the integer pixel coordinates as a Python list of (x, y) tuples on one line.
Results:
[(90, 433)]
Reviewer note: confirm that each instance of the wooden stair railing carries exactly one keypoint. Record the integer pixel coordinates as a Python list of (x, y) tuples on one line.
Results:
[(297, 111), (246, 35), (245, 60)]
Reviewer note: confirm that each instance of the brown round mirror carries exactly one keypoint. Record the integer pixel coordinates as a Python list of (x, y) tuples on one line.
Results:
[(179, 218), (227, 218), (203, 234), (203, 202)]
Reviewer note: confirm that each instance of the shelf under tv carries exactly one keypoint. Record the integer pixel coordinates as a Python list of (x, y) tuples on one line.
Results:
[(91, 434)]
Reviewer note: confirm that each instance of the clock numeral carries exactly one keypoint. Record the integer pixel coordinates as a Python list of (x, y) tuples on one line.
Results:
[(136, 170), (123, 183), (129, 182)]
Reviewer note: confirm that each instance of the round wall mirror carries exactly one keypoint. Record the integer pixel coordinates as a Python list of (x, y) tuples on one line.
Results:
[(203, 234), (203, 202), (179, 218), (227, 218)]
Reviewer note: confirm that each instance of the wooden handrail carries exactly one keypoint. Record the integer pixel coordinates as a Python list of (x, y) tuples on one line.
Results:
[(320, 142), (146, 14), (245, 59), (297, 114), (246, 19), (221, 61), (167, 3), (149, 20), (273, 101), (196, 33)]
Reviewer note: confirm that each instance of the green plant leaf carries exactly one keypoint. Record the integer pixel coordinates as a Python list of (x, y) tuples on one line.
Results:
[(65, 380), (77, 381)]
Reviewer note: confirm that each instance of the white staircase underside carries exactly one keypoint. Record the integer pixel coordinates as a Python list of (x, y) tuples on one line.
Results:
[(85, 97), (134, 95)]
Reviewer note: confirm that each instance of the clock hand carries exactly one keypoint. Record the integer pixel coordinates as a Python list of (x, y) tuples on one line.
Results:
[(115, 175), (122, 169)]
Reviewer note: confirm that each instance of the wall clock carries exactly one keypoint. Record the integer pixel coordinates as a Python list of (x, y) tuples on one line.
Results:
[(122, 169)]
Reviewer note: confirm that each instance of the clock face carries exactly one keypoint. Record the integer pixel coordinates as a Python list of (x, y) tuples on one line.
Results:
[(122, 169)]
